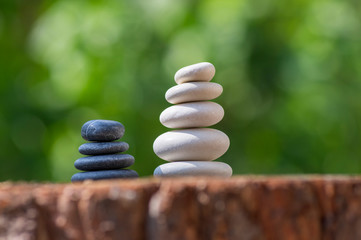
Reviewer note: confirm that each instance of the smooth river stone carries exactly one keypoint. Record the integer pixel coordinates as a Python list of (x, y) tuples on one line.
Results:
[(102, 130), (193, 168), (104, 162), (105, 174), (194, 114), (98, 148), (197, 144), (199, 72), (193, 91)]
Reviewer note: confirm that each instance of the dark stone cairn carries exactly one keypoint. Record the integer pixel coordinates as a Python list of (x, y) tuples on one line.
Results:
[(105, 159)]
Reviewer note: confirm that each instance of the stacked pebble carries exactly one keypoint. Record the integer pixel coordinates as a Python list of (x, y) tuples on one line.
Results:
[(104, 161), (191, 149)]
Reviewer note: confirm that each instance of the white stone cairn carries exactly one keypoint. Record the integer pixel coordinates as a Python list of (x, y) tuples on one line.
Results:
[(192, 147)]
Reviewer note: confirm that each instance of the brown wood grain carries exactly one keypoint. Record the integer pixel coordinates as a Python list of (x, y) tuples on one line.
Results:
[(242, 207)]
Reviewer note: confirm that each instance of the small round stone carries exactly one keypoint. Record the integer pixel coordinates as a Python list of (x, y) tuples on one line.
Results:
[(102, 130), (104, 162), (199, 72), (105, 174), (193, 91), (99, 148), (190, 115), (193, 168), (197, 144)]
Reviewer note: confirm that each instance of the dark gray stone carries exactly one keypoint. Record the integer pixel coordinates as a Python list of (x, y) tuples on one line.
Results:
[(105, 174), (104, 162), (102, 130), (98, 148)]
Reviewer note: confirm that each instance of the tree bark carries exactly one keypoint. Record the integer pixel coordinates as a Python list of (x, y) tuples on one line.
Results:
[(248, 207)]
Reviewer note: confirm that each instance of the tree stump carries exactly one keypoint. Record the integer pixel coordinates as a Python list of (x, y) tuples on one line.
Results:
[(242, 207)]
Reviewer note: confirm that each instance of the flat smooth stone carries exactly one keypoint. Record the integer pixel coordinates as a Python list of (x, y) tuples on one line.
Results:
[(98, 148), (199, 72), (104, 162), (193, 91), (197, 144), (194, 114), (105, 174), (193, 168), (102, 130)]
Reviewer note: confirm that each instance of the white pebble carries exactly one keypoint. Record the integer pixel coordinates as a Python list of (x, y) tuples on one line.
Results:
[(193, 91), (197, 144), (194, 114), (193, 168), (199, 72)]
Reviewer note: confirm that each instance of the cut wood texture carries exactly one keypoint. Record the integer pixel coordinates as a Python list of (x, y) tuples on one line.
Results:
[(247, 207)]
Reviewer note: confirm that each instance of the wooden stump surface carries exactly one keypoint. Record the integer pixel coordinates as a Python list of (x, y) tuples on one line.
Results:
[(242, 207)]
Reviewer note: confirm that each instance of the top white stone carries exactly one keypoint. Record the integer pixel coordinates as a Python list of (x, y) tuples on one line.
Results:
[(199, 72)]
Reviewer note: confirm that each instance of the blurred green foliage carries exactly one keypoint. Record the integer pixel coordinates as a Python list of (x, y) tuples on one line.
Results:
[(291, 72)]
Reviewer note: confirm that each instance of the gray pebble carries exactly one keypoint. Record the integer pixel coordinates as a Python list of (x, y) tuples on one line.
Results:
[(104, 162), (98, 148), (102, 130), (105, 174)]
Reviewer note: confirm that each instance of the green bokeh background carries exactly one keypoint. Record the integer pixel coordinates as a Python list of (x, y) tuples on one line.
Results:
[(291, 73)]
